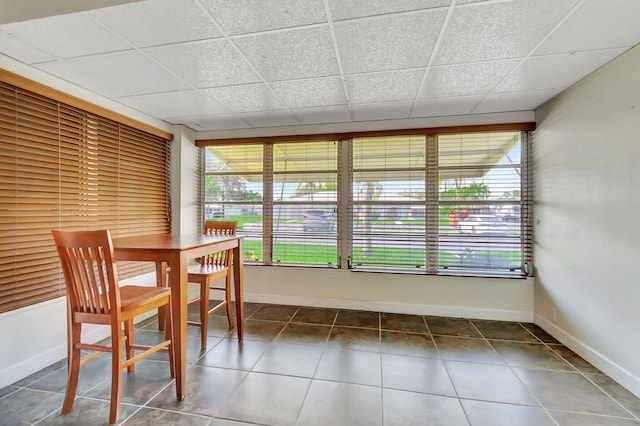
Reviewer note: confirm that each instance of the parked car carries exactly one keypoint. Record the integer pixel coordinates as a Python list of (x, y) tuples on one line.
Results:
[(318, 220), (483, 224)]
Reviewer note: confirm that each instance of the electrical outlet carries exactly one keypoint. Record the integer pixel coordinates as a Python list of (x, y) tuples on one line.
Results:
[(553, 315)]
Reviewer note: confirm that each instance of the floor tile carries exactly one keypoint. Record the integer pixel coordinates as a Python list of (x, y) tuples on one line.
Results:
[(365, 319), (306, 334), (580, 419), (92, 374), (335, 403), (274, 313), (400, 343), (97, 411), (354, 339), (488, 382), (151, 416), (350, 366), (260, 330), (466, 349), (27, 406), (619, 393), (401, 408), (533, 355), (207, 390), (481, 413), (572, 358), (317, 366), (568, 391), (451, 327), (234, 353), (400, 322), (267, 399), (289, 359), (139, 386), (501, 330), (315, 316), (539, 333), (416, 374)]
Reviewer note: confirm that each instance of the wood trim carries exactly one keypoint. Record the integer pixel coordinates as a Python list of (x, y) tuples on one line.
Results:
[(41, 89), (371, 134)]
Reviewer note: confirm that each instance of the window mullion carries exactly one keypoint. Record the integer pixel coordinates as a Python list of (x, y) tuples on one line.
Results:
[(267, 206), (345, 204), (431, 203)]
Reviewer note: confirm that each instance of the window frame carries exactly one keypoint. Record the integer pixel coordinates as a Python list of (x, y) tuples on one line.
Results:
[(432, 198)]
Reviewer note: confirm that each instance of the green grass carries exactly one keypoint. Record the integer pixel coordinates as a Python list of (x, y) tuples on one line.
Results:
[(318, 254)]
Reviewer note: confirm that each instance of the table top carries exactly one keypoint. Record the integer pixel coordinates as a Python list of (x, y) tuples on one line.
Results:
[(171, 241)]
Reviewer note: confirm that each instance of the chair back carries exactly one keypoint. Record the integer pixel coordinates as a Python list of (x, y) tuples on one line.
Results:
[(89, 269), (219, 227)]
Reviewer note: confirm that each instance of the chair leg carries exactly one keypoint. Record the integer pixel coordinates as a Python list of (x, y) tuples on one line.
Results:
[(204, 311), (128, 332), (73, 366), (227, 295), (169, 336), (116, 372)]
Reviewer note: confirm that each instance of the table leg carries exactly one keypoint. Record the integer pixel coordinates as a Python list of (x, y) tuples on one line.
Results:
[(177, 276), (161, 281), (238, 284)]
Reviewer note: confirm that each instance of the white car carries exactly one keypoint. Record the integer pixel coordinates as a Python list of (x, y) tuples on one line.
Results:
[(483, 224)]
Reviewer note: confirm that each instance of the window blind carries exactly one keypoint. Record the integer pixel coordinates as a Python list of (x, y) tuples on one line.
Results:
[(63, 167)]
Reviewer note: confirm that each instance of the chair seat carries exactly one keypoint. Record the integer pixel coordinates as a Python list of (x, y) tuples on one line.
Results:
[(134, 296)]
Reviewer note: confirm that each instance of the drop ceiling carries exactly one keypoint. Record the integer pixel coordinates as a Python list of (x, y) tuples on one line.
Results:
[(235, 64)]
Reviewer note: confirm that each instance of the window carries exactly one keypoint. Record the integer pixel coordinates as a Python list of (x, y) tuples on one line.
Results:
[(64, 167), (448, 203)]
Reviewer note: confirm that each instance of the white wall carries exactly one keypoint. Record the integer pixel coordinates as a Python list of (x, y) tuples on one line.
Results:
[(587, 204), (485, 298)]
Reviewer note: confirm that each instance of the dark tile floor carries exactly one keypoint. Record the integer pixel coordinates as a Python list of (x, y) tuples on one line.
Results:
[(311, 366)]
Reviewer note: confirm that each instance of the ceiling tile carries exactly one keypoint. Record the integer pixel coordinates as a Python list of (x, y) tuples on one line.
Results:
[(80, 77), (21, 50), (384, 86), (502, 30), (327, 114), (595, 25), (212, 122), (127, 73), (208, 63), (388, 43), (311, 93), (246, 98), (156, 22), (174, 104), (248, 16), (270, 118), (381, 111), (466, 79), (341, 9), (515, 101), (67, 36), (293, 54), (445, 106), (557, 71)]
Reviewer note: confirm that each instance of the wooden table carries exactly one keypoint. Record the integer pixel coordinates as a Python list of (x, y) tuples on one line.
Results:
[(177, 250)]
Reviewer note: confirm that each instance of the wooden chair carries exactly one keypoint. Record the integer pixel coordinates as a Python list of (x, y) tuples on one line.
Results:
[(211, 268), (94, 296)]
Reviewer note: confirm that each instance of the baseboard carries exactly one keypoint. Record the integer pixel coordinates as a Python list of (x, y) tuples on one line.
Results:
[(392, 307), (604, 364)]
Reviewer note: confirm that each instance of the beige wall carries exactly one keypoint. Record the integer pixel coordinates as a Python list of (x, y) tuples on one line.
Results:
[(587, 209)]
